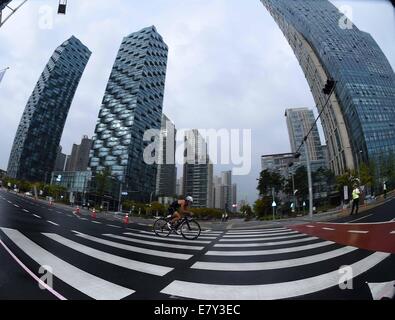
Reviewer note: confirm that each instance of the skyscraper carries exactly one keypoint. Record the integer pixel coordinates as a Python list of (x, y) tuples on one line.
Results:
[(299, 122), (79, 159), (61, 160), (132, 104), (198, 171), (167, 171), (38, 136), (359, 120)]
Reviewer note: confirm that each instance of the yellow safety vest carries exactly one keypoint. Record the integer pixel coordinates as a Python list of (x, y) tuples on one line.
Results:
[(355, 194)]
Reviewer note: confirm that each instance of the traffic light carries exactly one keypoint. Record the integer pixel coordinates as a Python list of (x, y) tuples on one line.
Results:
[(62, 7), (329, 86)]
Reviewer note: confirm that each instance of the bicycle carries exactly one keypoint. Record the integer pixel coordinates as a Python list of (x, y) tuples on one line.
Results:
[(187, 226)]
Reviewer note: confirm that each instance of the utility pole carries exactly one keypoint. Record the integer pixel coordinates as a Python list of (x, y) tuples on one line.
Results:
[(310, 181)]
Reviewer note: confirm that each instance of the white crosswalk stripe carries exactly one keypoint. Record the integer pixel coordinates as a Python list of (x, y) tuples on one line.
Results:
[(258, 266), (110, 258), (148, 235), (151, 243), (279, 252), (281, 290), (85, 282), (170, 255)]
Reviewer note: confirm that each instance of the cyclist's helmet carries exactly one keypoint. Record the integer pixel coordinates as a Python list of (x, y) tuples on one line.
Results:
[(189, 199)]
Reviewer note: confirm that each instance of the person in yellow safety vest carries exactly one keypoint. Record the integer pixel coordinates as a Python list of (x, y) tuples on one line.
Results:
[(355, 200)]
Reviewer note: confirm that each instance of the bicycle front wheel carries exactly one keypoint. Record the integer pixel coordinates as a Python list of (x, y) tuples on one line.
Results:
[(161, 229), (190, 230)]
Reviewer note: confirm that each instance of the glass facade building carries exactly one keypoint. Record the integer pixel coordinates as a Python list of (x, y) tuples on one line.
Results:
[(132, 104), (359, 122), (35, 147), (167, 171)]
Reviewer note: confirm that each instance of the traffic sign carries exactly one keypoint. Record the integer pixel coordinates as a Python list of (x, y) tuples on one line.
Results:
[(125, 193), (274, 204)]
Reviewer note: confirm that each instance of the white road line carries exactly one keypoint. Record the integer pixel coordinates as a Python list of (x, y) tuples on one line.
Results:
[(275, 291), (151, 243), (97, 222), (165, 254), (271, 265), (264, 235), (165, 239), (85, 219), (26, 210), (247, 245), (310, 226), (15, 205), (82, 281), (171, 237), (362, 224), (34, 215), (110, 258), (112, 226), (392, 232), (358, 231), (359, 219), (59, 211), (258, 231), (55, 224), (9, 201), (268, 252), (263, 239), (328, 229)]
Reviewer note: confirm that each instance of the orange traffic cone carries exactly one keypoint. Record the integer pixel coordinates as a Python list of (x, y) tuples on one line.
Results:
[(126, 219), (94, 213)]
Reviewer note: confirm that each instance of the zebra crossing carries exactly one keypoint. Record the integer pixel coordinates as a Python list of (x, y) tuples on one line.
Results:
[(136, 254), (257, 264), (268, 264)]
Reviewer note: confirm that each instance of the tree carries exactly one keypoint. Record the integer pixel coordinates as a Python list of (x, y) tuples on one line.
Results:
[(247, 210), (263, 206), (269, 180)]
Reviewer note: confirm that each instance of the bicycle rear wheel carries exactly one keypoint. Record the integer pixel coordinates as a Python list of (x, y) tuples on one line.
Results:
[(190, 229), (161, 229)]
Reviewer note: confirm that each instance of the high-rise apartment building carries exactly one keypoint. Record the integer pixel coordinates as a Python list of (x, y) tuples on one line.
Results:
[(359, 121), (198, 171), (79, 159), (132, 104), (38, 136), (167, 171)]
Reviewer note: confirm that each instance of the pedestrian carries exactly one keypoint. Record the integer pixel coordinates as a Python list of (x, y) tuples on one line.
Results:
[(226, 217), (223, 217), (385, 190), (355, 200)]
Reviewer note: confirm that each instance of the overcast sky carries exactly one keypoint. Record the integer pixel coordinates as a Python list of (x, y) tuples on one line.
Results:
[(229, 64)]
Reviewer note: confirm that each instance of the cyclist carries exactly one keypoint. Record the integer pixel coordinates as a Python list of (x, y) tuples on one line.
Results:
[(177, 210)]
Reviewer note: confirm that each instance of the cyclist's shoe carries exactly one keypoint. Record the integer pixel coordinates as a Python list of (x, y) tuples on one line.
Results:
[(178, 232), (170, 226)]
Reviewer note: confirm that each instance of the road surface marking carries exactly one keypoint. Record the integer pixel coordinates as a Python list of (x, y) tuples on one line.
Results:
[(328, 229), (42, 283), (82, 281), (171, 239), (258, 231), (310, 226), (59, 211), (263, 239), (246, 245), (34, 215), (165, 254), (359, 218), (110, 258), (266, 235), (272, 265), (9, 201), (50, 209), (362, 223), (392, 232), (164, 239), (151, 243), (85, 219), (268, 252), (358, 231), (15, 205), (55, 224), (275, 291), (26, 210), (97, 222), (112, 226)]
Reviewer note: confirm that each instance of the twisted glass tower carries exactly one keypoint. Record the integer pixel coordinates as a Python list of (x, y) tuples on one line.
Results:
[(34, 151), (132, 104), (359, 123)]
